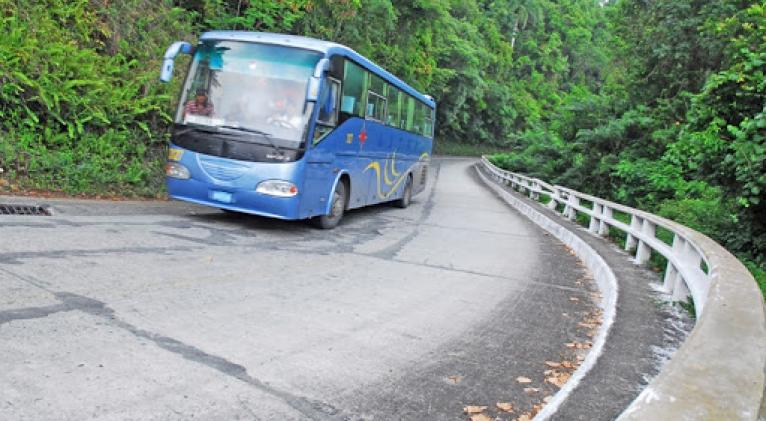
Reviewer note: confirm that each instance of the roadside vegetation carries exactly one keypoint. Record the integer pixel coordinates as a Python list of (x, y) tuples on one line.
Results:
[(658, 105)]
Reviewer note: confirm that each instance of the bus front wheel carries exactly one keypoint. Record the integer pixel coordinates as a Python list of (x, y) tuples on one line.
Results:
[(337, 208)]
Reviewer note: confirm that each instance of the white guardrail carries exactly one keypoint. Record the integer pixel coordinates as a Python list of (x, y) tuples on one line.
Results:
[(719, 372)]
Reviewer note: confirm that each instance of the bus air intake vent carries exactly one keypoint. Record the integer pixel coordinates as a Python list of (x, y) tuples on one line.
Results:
[(222, 169), (31, 210)]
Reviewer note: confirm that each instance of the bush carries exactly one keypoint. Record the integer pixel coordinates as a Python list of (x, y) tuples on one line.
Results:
[(81, 107)]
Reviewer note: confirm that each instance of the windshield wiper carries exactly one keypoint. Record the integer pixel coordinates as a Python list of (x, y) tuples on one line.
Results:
[(265, 135)]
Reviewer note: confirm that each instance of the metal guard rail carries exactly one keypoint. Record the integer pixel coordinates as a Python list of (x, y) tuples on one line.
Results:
[(719, 371)]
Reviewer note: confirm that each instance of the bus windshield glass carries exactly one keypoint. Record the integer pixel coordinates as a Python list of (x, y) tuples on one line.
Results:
[(248, 86)]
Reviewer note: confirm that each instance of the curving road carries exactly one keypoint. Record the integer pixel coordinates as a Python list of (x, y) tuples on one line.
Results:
[(151, 310)]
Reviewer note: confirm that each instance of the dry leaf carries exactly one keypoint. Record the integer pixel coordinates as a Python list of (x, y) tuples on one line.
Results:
[(567, 364), (505, 406), (455, 379), (558, 379), (531, 390), (548, 399), (553, 364), (574, 299), (523, 380), (480, 417), (474, 409), (524, 417), (570, 344)]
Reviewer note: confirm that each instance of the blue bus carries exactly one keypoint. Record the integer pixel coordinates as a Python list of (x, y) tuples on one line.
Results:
[(293, 128)]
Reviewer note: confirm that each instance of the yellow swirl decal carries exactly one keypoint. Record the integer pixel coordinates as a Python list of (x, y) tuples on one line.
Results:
[(393, 165), (375, 165)]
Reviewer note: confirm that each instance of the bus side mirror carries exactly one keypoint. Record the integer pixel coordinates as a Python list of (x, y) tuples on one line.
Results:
[(315, 81), (168, 61)]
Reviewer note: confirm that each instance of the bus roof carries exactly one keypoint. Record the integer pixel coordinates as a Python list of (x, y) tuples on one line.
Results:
[(327, 48)]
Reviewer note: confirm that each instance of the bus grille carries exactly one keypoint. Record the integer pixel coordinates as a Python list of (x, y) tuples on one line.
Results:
[(223, 170)]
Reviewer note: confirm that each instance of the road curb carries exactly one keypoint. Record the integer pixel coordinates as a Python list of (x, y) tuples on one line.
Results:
[(602, 273)]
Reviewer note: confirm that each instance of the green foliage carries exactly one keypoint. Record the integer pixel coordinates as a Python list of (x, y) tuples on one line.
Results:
[(675, 124), (80, 106)]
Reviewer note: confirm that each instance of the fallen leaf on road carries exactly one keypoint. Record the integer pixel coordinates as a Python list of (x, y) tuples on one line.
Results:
[(480, 417), (523, 380), (455, 379), (548, 399), (505, 406), (474, 409), (567, 364), (553, 364), (524, 417), (574, 299), (570, 344), (531, 390), (558, 379)]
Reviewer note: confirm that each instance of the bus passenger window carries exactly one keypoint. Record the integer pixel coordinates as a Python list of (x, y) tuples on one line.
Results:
[(410, 114), (376, 107), (354, 89), (394, 104), (428, 127)]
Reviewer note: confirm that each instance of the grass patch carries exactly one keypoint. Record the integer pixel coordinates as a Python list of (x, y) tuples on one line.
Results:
[(543, 198), (658, 263), (617, 236), (583, 219), (446, 147), (664, 235), (758, 272), (688, 305)]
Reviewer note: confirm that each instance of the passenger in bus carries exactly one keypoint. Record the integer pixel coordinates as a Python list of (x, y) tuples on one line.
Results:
[(200, 105)]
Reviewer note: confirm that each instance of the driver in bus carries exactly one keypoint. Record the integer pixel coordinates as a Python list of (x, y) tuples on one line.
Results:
[(286, 107), (200, 105)]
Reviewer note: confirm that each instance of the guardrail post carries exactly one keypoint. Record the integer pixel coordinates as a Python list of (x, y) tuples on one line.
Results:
[(571, 211), (533, 194), (672, 276), (644, 252), (555, 199), (635, 226), (603, 226), (594, 221)]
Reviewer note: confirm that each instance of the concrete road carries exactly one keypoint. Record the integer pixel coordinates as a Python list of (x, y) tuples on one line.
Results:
[(159, 310)]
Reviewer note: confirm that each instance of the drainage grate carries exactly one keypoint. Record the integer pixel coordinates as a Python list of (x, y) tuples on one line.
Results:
[(9, 209)]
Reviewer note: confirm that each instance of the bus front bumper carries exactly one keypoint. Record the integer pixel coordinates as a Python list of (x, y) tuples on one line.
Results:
[(235, 199)]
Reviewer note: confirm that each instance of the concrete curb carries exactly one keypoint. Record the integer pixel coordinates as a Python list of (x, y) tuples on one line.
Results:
[(719, 372), (602, 273)]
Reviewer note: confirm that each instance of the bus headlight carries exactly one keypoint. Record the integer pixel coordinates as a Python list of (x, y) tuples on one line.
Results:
[(278, 188), (176, 170)]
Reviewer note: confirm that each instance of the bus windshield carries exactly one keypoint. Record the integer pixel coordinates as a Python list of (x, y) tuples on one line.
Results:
[(248, 86)]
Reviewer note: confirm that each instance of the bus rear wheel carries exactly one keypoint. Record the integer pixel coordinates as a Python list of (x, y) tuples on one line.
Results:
[(406, 198), (337, 208)]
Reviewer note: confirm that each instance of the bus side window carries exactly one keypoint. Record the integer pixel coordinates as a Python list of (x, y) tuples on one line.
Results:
[(353, 99), (328, 103), (410, 121), (393, 96)]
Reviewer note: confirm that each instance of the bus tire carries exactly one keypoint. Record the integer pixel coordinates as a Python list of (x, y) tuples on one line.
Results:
[(337, 208), (406, 198)]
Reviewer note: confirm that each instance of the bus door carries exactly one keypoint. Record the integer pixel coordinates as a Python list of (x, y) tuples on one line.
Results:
[(321, 168)]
